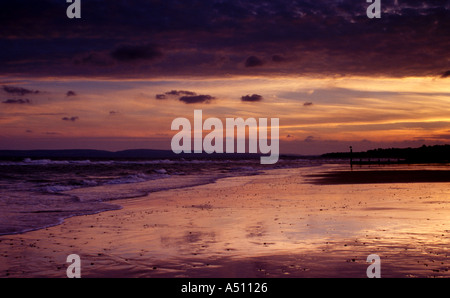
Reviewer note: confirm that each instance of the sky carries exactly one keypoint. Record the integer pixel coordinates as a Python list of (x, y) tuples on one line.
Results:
[(117, 77)]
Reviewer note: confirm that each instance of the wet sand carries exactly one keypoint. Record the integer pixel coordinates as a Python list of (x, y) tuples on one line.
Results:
[(277, 224), (382, 176)]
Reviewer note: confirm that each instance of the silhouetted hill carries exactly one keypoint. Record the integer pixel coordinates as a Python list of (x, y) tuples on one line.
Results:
[(77, 154), (103, 155)]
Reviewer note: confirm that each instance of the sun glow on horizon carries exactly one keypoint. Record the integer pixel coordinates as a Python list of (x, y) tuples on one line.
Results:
[(348, 109)]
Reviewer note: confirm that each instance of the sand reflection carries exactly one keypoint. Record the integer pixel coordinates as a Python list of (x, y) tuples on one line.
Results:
[(276, 225)]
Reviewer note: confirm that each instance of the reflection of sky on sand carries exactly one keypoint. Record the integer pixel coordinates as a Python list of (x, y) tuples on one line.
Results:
[(268, 225), (272, 216)]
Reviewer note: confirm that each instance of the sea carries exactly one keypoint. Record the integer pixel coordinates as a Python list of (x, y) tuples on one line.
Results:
[(40, 193)]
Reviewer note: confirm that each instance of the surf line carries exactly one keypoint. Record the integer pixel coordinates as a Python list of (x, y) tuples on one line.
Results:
[(258, 140)]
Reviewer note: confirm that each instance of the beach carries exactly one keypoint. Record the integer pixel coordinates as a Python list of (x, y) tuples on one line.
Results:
[(280, 223)]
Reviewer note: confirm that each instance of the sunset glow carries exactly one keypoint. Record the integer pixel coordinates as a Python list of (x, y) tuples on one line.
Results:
[(326, 112), (332, 75)]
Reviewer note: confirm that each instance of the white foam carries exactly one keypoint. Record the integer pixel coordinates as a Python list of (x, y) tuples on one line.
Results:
[(138, 178), (57, 188)]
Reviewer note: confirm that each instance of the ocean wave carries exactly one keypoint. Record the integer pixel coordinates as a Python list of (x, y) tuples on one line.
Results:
[(245, 168), (57, 188), (137, 178), (32, 162), (34, 194), (76, 184)]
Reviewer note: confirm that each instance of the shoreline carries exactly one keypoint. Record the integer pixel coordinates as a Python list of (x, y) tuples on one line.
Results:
[(120, 192), (276, 224), (106, 196)]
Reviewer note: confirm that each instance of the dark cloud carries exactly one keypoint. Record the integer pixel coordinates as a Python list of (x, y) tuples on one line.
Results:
[(307, 104), (73, 119), (70, 93), (181, 92), (112, 113), (94, 59), (17, 101), (19, 90), (446, 74), (252, 98), (278, 58), (319, 37), (130, 53), (309, 139), (196, 99), (253, 61), (442, 136), (187, 97)]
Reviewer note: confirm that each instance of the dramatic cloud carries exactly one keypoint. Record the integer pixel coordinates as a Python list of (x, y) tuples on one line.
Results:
[(73, 119), (217, 38), (19, 90), (252, 98), (196, 99), (17, 101), (160, 96), (253, 61), (127, 53), (70, 93)]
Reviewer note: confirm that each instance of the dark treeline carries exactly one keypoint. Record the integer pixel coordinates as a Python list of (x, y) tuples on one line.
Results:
[(437, 153)]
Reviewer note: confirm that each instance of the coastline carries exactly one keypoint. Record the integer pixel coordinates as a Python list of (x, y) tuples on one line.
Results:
[(275, 224)]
